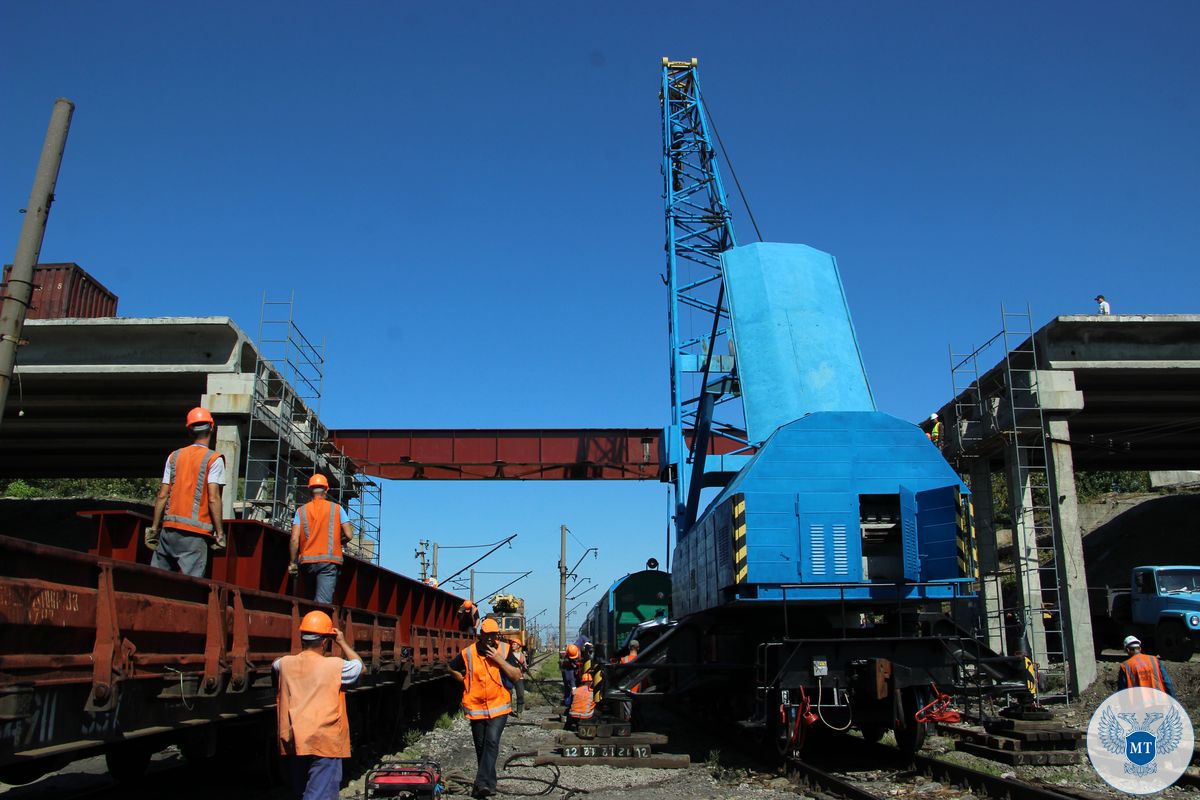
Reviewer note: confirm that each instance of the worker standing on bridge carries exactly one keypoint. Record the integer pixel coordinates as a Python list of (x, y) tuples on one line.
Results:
[(319, 530), (314, 733), (1142, 670), (487, 670), (187, 511), (1104, 308)]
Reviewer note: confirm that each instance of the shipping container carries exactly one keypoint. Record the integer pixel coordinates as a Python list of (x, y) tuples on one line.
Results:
[(66, 290)]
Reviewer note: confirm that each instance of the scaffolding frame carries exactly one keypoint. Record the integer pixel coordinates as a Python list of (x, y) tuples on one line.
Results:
[(286, 441), (1007, 402)]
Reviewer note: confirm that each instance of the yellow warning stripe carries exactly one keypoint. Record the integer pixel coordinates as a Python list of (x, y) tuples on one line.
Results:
[(741, 565)]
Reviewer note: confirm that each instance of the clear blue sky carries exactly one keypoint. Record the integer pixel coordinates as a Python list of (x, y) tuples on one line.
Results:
[(466, 198)]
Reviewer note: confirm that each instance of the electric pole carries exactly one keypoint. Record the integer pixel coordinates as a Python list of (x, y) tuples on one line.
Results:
[(422, 549), (29, 244), (472, 586), (562, 589), (435, 555)]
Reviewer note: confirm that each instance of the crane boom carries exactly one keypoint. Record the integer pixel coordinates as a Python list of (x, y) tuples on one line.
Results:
[(699, 228)]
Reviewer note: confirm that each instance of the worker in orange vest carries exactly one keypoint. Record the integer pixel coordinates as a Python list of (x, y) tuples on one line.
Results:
[(487, 670), (319, 530), (583, 704), (627, 705), (187, 510), (314, 734), (1142, 670)]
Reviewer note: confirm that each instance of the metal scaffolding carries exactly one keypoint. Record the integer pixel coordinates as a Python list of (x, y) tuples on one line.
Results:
[(286, 441), (1006, 403)]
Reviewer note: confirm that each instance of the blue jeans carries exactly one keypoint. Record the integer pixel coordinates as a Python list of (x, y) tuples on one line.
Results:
[(568, 686), (315, 778), (323, 576), (485, 733), (183, 551)]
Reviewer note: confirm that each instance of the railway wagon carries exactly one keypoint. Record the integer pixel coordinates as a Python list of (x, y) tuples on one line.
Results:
[(637, 598), (103, 654)]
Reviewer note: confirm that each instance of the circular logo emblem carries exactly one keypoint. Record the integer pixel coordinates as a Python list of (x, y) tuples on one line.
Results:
[(1140, 740)]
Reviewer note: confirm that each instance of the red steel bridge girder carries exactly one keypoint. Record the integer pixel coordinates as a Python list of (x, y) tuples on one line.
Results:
[(516, 454)]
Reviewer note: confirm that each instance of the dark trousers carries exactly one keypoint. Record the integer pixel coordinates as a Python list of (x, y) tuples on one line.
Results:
[(568, 686), (486, 735), (519, 695), (315, 778)]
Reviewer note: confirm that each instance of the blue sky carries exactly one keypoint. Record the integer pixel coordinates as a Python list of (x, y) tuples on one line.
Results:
[(466, 199)]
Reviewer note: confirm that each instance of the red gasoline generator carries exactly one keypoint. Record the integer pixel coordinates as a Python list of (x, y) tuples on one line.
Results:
[(406, 779)]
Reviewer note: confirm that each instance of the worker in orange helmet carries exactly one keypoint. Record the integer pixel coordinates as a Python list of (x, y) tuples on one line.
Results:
[(469, 615), (319, 530), (187, 511), (314, 734), (487, 670), (570, 665)]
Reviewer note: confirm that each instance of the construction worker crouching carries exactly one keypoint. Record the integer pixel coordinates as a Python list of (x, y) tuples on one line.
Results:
[(1142, 670), (468, 615), (318, 532), (487, 670), (187, 511), (314, 733), (583, 702), (627, 705)]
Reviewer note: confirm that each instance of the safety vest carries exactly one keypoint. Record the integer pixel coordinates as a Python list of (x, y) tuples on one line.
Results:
[(187, 497), (935, 435), (583, 705), (312, 707), (484, 694), (1143, 670), (321, 529), (625, 660)]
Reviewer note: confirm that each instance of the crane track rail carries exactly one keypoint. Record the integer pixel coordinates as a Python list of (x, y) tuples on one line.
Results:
[(973, 780)]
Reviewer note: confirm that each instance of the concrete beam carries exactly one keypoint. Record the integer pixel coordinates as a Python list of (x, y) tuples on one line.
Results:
[(1024, 552), (991, 616)]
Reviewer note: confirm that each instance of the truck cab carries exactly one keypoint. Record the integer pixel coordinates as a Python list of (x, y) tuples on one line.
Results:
[(1165, 605)]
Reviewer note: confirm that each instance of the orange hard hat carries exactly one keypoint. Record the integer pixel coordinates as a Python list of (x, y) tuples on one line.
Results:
[(489, 626), (318, 480), (572, 651), (467, 605), (317, 622), (586, 677), (199, 416)]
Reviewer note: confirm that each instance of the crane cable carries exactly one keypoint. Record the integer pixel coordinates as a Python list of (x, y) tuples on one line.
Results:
[(725, 154)]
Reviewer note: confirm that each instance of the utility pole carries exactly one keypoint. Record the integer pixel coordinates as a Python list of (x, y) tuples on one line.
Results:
[(562, 589), (472, 586), (29, 245), (435, 555), (422, 549)]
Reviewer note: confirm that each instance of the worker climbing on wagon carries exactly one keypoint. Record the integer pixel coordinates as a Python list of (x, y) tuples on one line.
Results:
[(319, 530), (935, 430), (487, 670), (187, 511), (1142, 670), (314, 734), (570, 665)]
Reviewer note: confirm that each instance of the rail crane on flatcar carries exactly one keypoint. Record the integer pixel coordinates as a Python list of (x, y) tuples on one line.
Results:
[(830, 580)]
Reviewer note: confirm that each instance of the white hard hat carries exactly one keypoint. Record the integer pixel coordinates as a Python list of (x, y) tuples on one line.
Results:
[(933, 416), (1132, 641)]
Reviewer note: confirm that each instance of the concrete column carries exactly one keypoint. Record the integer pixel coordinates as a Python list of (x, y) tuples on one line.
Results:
[(991, 611), (1077, 618), (229, 398), (1024, 554)]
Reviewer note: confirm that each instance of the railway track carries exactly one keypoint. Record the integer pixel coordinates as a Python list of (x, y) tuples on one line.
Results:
[(971, 780)]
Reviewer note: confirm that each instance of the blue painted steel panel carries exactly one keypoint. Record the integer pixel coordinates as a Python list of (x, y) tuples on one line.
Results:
[(796, 348), (802, 493)]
